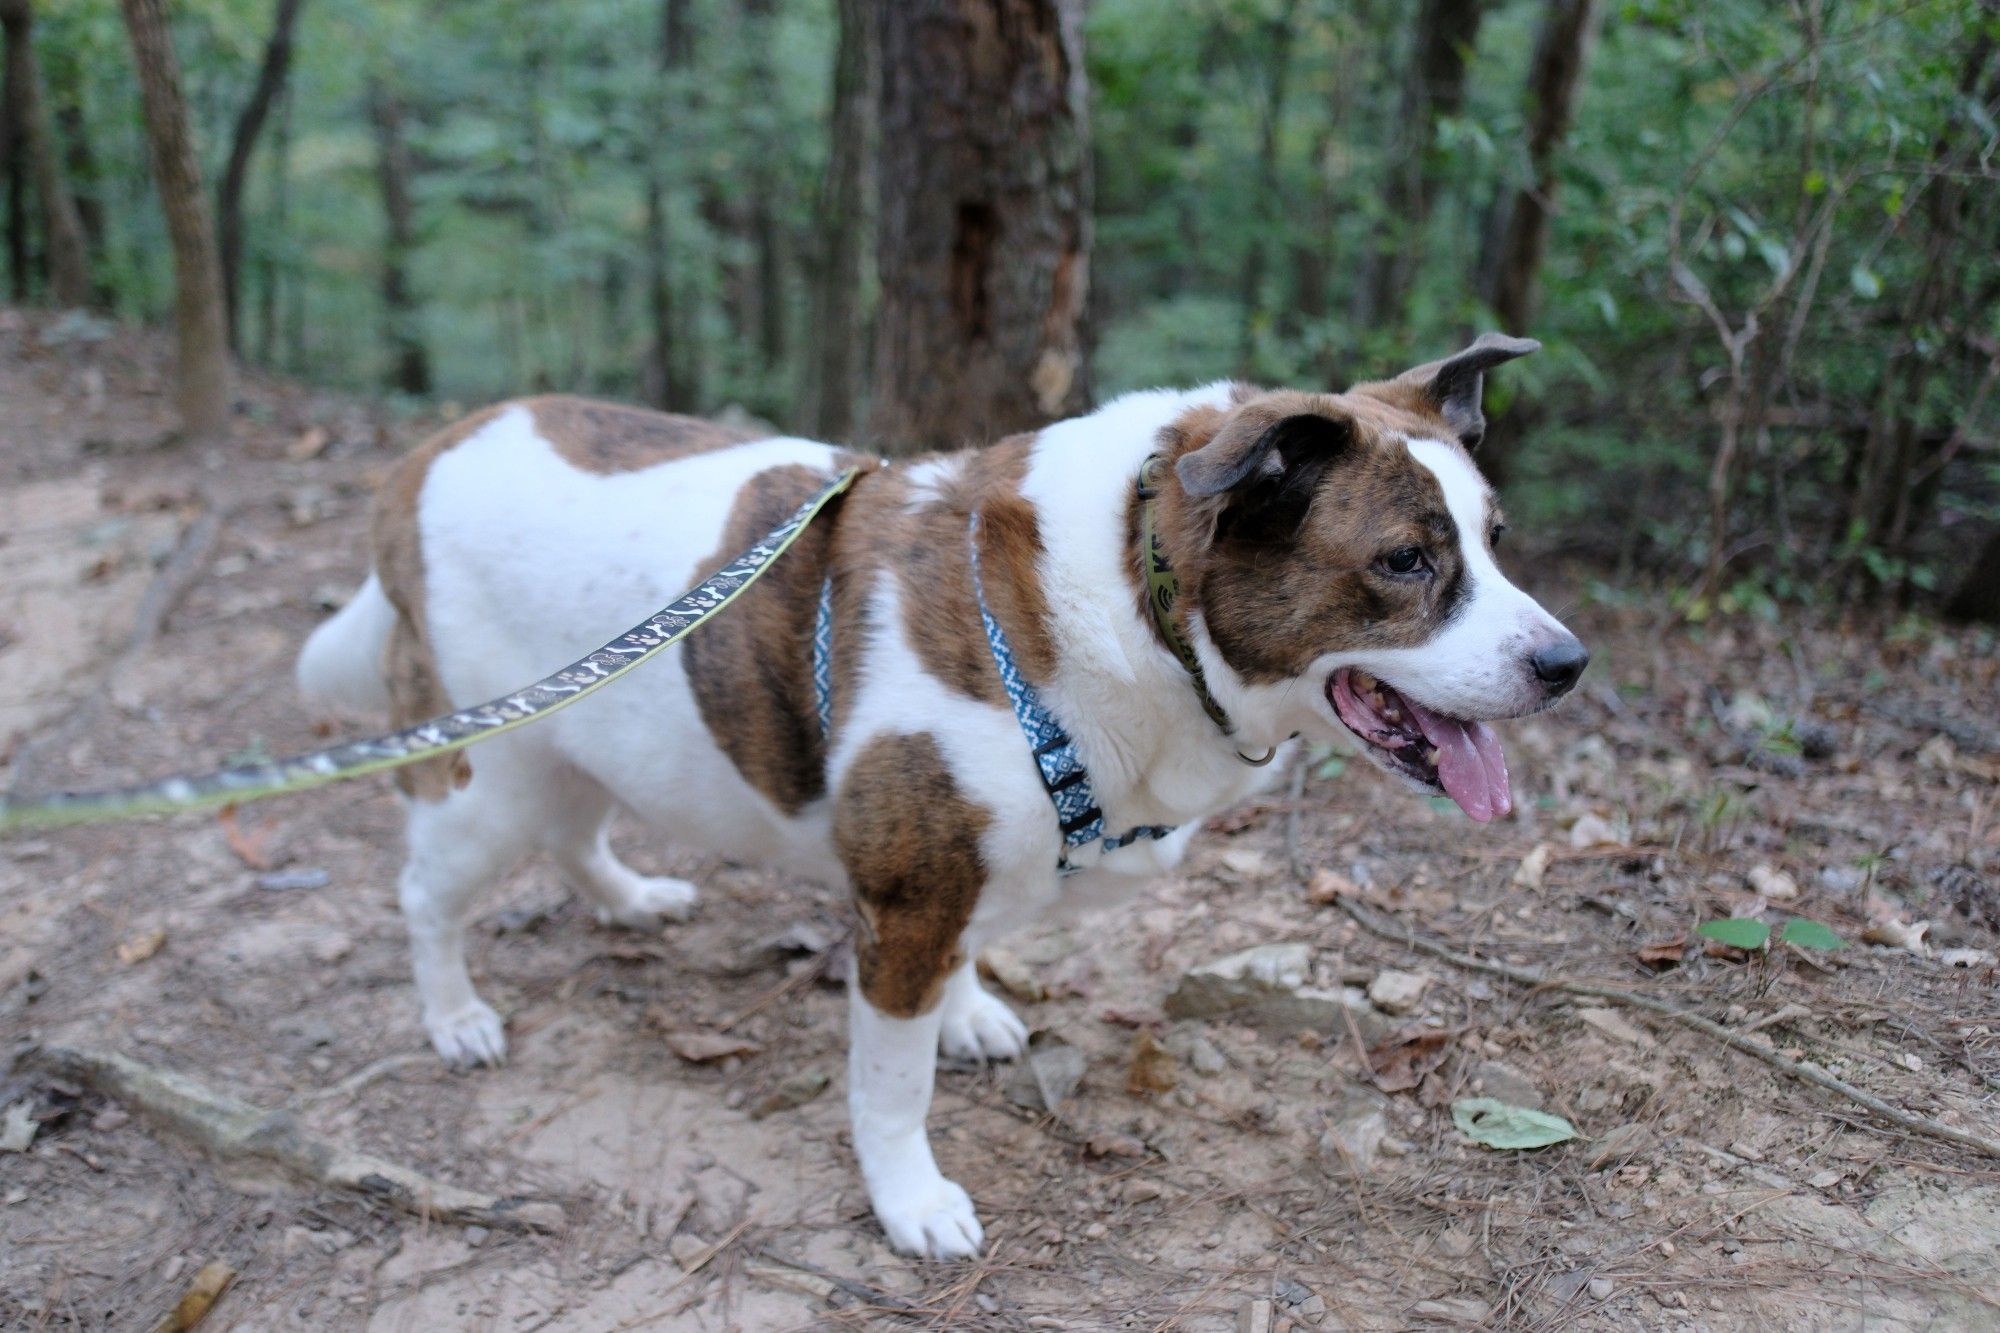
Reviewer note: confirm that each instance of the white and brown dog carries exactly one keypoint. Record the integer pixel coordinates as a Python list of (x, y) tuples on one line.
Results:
[(971, 693)]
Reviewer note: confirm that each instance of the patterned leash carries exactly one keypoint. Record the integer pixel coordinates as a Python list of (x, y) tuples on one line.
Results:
[(440, 735)]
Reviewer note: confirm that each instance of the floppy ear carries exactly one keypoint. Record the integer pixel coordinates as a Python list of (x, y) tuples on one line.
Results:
[(1455, 385), (1264, 467)]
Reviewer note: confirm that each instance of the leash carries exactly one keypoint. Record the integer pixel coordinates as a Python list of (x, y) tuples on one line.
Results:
[(440, 735)]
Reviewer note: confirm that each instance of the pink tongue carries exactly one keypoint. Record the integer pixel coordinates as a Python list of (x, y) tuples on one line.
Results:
[(1470, 763)]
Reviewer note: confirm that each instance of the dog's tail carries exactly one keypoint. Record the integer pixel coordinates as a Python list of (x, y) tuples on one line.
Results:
[(341, 666)]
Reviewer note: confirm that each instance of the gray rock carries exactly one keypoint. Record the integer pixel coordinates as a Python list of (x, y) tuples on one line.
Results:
[(1265, 987)]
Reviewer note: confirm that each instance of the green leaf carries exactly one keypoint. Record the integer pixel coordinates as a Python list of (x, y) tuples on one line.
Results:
[(1737, 932), (1809, 935), (1331, 767), (1866, 283), (1511, 1128)]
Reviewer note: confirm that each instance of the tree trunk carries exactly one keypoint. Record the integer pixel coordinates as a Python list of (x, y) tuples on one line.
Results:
[(409, 368), (1433, 87), (1978, 597), (62, 226), (666, 379), (202, 381), (242, 145), (1569, 27), (766, 240), (984, 238), (14, 172), (846, 207), (1250, 286), (278, 225)]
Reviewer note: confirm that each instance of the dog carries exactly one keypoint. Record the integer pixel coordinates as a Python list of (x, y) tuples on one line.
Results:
[(1136, 609)]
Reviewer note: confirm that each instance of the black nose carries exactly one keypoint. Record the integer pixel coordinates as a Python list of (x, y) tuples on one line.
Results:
[(1559, 664)]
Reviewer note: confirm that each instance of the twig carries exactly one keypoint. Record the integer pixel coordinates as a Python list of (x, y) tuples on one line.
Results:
[(860, 1291), (231, 1128), (1805, 1073)]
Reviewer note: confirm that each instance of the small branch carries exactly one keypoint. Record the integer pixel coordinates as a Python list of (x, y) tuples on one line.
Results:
[(231, 1128), (1805, 1073)]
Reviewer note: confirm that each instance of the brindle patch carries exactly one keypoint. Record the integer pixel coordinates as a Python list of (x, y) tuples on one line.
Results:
[(909, 840), (1276, 596), (751, 669)]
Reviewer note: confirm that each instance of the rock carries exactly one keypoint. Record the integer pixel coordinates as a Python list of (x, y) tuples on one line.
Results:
[(1139, 1190), (1454, 1310), (1774, 884), (795, 1091), (1255, 1316), (1966, 957), (295, 881), (1600, 1288), (1045, 1080), (1618, 1145), (1503, 1082), (1840, 879), (1592, 830), (1395, 992), (1204, 1057), (1614, 1025), (1534, 867), (1012, 975), (1248, 864), (1356, 1125), (1265, 988), (1456, 1241), (1152, 1069)]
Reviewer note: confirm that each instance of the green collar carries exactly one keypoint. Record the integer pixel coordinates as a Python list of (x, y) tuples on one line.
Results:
[(1163, 591)]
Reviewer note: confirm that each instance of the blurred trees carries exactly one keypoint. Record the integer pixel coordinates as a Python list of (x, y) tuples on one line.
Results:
[(1762, 243), (30, 126)]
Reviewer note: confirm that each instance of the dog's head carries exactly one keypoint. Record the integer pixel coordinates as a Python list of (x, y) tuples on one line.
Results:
[(1342, 563)]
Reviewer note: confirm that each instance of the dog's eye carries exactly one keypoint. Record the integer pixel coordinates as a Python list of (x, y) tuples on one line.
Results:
[(1404, 560), (1493, 538)]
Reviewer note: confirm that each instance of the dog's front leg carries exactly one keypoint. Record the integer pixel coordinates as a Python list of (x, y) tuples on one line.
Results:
[(891, 1066)]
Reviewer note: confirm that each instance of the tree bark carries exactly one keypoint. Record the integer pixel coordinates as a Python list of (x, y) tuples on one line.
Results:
[(242, 146), (983, 244), (14, 173), (1433, 87), (667, 378), (409, 368), (62, 227), (202, 389), (278, 225), (846, 208), (1978, 597), (1250, 285), (1562, 46)]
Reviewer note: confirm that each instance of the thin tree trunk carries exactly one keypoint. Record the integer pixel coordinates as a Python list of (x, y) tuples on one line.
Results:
[(14, 170), (202, 383), (409, 368), (846, 208), (242, 146), (1978, 597), (80, 167), (666, 379), (766, 240), (1250, 287), (268, 267), (1562, 46), (1433, 87), (984, 238), (62, 227)]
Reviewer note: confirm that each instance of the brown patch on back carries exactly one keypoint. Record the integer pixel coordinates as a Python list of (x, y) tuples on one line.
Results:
[(608, 438), (910, 842), (1273, 606), (751, 667)]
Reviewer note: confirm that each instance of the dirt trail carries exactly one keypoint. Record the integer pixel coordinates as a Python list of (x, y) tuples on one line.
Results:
[(1707, 1191)]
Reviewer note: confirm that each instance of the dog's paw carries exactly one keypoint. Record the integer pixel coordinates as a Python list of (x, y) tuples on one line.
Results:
[(650, 903), (470, 1037), (981, 1028), (935, 1221)]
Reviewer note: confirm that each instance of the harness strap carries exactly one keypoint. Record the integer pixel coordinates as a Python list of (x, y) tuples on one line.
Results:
[(822, 658), (1056, 758)]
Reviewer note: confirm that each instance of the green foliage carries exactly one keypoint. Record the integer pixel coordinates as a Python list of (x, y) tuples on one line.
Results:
[(1496, 1124), (1736, 932), (1809, 935)]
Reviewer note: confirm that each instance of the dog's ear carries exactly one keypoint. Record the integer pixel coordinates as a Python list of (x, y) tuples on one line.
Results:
[(1454, 387), (1260, 469)]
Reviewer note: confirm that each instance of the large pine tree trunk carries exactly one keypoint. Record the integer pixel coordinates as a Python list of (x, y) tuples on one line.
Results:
[(62, 226), (984, 238), (202, 380), (846, 207), (1554, 77), (409, 368), (242, 145), (1433, 87)]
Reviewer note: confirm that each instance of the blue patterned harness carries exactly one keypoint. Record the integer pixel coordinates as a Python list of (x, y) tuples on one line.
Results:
[(1056, 759)]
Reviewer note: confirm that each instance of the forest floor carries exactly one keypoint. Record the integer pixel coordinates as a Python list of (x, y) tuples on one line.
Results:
[(1847, 769)]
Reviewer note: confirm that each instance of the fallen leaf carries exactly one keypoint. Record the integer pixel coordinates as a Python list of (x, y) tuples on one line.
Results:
[(1045, 1080), (310, 444), (1012, 975), (1907, 935), (1809, 935), (1663, 955), (141, 947), (202, 1293), (700, 1047), (1534, 866), (1591, 830), (1772, 883), (1130, 1016), (249, 845), (1403, 1063), (1110, 1144), (1612, 1024), (795, 1091), (1329, 886), (1509, 1128), (1153, 1067), (1737, 932), (17, 1127)]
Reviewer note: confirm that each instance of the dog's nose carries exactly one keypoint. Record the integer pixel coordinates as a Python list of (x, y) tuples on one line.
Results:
[(1559, 664)]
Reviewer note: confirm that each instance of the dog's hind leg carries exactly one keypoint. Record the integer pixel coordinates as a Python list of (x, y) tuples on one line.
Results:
[(976, 1024), (460, 843), (576, 832)]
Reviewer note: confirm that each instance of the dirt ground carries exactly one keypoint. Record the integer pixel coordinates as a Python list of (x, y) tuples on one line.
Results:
[(1848, 770)]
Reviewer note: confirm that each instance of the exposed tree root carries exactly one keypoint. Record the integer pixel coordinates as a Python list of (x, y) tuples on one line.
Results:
[(1740, 1041), (231, 1128)]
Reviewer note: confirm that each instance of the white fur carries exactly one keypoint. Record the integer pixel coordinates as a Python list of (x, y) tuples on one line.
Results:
[(531, 561)]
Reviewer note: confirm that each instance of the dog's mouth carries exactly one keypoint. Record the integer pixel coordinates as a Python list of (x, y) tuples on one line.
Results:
[(1459, 757)]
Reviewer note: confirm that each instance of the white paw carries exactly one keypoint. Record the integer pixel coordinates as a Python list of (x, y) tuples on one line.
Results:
[(934, 1221), (472, 1036), (981, 1028), (651, 902)]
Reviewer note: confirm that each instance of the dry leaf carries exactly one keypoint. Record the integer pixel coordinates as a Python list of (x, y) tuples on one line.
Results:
[(1773, 883), (1012, 975), (1401, 1064), (1665, 954), (795, 1091), (1899, 935), (141, 947), (202, 1293), (700, 1047), (1153, 1067), (1328, 886), (249, 845), (1592, 830), (311, 444), (1534, 866), (1110, 1144)]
